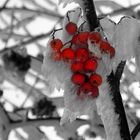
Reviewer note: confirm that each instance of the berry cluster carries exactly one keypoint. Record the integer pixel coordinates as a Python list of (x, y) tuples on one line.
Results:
[(83, 63)]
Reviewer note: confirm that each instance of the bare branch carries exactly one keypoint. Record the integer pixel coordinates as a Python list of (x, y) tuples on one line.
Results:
[(47, 122), (31, 11), (4, 5), (29, 41), (135, 131)]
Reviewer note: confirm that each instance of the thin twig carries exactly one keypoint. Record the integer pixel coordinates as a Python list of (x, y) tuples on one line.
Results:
[(52, 121), (31, 11), (135, 131), (29, 41), (4, 5)]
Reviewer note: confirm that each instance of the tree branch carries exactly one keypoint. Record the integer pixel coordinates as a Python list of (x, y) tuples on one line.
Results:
[(90, 14), (47, 122), (119, 71), (114, 83), (113, 80)]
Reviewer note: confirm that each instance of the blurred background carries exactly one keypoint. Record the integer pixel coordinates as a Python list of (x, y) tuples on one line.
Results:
[(27, 110)]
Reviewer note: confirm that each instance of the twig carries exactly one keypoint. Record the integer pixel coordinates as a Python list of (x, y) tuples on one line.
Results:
[(4, 5), (21, 23), (29, 41), (11, 30), (4, 115), (31, 11), (135, 131), (55, 121)]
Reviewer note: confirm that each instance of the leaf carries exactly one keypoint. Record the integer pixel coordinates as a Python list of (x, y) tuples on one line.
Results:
[(108, 28), (126, 40), (124, 37)]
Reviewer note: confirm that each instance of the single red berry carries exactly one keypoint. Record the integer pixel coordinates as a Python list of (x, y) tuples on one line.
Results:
[(104, 46), (68, 54), (56, 56), (95, 79), (77, 67), (56, 44), (71, 28), (112, 52), (85, 88), (80, 39), (81, 54), (95, 37), (90, 65), (95, 92), (83, 38), (78, 78)]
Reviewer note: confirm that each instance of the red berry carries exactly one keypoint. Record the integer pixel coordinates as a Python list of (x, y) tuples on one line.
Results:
[(68, 54), (104, 46), (90, 65), (81, 54), (56, 56), (80, 39), (71, 28), (85, 88), (74, 39), (112, 52), (78, 78), (77, 67), (83, 38), (95, 92), (95, 79), (56, 44), (95, 37)]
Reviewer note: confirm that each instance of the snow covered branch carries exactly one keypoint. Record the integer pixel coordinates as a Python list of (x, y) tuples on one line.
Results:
[(116, 106), (90, 14)]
